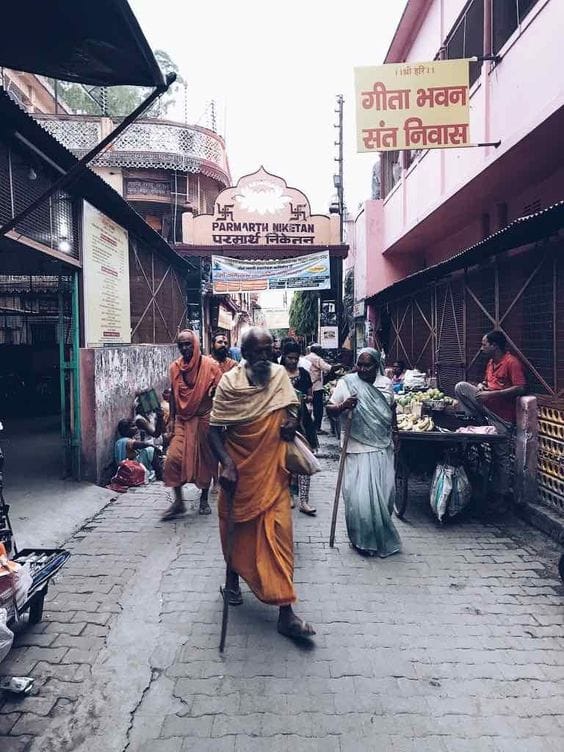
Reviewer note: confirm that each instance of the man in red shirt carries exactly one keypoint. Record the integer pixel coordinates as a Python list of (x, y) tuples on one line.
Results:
[(493, 401)]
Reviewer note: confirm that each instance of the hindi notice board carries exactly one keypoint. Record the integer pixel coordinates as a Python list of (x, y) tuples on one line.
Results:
[(107, 315), (412, 106), (329, 337), (311, 272)]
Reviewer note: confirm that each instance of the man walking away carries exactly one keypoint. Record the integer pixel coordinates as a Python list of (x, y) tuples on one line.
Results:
[(493, 401), (220, 353), (254, 415), (318, 367), (193, 378)]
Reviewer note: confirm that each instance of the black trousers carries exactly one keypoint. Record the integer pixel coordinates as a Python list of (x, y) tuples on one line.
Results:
[(318, 408)]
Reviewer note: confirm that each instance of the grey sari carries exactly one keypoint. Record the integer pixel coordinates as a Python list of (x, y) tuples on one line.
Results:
[(369, 480)]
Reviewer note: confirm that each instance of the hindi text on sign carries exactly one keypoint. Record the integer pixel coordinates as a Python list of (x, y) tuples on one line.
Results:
[(429, 110)]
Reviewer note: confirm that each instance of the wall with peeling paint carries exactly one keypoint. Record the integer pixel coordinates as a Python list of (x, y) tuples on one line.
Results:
[(110, 379)]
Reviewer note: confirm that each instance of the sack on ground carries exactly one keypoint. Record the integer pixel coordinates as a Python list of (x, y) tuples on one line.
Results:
[(441, 488), (451, 491), (461, 494), (6, 635), (300, 460), (129, 473)]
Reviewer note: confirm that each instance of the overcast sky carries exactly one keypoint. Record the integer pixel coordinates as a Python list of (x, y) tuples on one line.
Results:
[(275, 69)]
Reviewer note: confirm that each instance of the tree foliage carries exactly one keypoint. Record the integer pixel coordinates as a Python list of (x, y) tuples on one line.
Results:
[(121, 100), (304, 313)]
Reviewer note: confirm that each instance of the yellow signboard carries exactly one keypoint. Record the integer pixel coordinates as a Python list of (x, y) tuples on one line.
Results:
[(412, 106)]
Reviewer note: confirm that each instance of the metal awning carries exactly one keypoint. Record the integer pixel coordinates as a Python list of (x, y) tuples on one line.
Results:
[(16, 125), (522, 231), (98, 43)]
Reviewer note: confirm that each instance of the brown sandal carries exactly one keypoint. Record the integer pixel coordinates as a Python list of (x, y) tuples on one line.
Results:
[(296, 630)]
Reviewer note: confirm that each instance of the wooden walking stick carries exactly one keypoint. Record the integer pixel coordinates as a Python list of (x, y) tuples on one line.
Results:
[(229, 494), (347, 433)]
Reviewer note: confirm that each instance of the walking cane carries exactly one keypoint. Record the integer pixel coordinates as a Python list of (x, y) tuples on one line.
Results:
[(348, 421), (229, 494)]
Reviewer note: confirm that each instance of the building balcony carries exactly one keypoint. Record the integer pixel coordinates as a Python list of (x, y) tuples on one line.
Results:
[(146, 144)]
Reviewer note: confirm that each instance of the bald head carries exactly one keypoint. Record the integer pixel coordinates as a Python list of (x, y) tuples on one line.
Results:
[(254, 341), (256, 348)]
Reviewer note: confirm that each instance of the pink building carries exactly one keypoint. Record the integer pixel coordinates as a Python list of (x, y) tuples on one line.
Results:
[(436, 204), (457, 242)]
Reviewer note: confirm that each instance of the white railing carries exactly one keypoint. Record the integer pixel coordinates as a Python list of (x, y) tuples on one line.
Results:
[(146, 144)]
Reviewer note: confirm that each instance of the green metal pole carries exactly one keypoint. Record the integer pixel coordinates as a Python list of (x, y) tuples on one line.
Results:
[(62, 375), (75, 365)]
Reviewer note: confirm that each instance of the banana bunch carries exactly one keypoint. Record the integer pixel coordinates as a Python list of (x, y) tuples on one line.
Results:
[(410, 423)]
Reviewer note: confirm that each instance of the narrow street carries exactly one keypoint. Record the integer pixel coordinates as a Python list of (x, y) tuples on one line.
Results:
[(455, 644)]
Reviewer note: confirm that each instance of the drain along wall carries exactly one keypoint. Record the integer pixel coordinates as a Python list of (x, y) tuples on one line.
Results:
[(110, 378)]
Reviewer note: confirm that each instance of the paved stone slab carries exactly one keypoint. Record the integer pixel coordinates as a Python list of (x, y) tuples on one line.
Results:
[(453, 645)]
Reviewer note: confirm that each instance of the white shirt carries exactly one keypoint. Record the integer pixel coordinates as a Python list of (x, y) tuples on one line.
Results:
[(303, 362), (342, 392), (317, 368)]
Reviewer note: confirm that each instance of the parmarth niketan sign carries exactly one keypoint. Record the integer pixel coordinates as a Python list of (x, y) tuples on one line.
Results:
[(261, 210)]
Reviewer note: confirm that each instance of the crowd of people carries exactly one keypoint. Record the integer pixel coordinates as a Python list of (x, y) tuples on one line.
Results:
[(227, 419)]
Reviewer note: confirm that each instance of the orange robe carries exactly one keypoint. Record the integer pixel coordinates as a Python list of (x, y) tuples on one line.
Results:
[(189, 458), (226, 365), (263, 551)]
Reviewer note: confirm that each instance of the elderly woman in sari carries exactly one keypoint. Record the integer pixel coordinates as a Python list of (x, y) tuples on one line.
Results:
[(368, 481)]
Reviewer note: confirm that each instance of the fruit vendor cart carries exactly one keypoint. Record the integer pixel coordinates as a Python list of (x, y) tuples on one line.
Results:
[(419, 451)]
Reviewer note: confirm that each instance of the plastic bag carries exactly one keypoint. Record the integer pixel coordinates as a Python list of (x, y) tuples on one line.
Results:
[(6, 635), (300, 460), (22, 583), (441, 488), (461, 493)]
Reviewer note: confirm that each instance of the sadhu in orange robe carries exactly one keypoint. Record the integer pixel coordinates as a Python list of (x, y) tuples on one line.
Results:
[(262, 552), (189, 458)]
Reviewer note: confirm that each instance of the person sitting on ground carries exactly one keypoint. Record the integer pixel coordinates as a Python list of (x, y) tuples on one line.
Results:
[(189, 459), (318, 368), (220, 353), (493, 401), (253, 416), (165, 406), (128, 447), (152, 426), (301, 381)]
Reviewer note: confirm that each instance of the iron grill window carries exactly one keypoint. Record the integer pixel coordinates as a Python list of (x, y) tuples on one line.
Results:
[(391, 171), (467, 37), (507, 16)]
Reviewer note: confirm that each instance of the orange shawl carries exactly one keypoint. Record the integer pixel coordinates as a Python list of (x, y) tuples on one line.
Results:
[(192, 381), (226, 365)]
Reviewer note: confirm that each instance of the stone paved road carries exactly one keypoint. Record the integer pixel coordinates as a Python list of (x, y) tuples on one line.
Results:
[(454, 645)]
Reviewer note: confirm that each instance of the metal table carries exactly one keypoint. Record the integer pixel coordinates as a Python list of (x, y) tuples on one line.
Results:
[(443, 442)]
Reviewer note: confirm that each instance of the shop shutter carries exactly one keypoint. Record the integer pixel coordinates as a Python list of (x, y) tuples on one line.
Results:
[(450, 362)]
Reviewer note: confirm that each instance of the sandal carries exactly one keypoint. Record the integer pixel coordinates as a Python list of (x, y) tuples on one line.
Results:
[(296, 630), (173, 513), (234, 597), (306, 509), (204, 508)]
